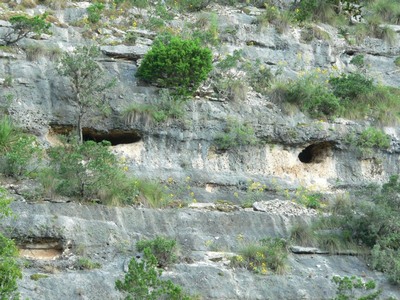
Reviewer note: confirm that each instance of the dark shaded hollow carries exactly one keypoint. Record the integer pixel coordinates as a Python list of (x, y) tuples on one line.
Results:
[(315, 153), (114, 136)]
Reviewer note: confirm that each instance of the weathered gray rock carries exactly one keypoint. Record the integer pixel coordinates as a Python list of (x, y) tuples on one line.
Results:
[(107, 235), (126, 52)]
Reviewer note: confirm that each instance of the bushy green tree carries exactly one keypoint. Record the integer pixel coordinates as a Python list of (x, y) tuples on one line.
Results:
[(143, 282), (176, 63), (88, 82), (89, 170), (23, 26), (10, 271), (18, 151)]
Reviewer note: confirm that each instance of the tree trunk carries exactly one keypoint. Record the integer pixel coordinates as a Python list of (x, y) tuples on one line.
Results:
[(80, 134)]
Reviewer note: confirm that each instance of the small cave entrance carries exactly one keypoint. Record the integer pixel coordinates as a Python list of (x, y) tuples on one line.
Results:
[(315, 153), (114, 136), (41, 248)]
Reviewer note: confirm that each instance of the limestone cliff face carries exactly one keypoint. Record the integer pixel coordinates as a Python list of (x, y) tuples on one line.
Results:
[(292, 151)]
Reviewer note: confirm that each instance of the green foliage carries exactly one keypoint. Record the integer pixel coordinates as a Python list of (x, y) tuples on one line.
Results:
[(259, 76), (94, 12), (89, 170), (312, 96), (351, 87), (84, 263), (326, 10), (206, 29), (189, 5), (176, 63), (267, 254), (163, 249), (88, 82), (38, 276), (160, 109), (355, 288), (18, 151), (230, 61), (358, 61), (10, 270), (142, 282), (235, 135), (397, 61), (308, 198), (23, 26), (369, 140)]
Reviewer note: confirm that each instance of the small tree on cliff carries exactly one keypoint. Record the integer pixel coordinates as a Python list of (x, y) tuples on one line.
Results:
[(23, 26), (88, 82)]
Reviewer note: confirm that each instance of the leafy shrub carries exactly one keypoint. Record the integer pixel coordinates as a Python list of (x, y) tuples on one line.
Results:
[(268, 254), (143, 281), (90, 171), (308, 198), (18, 151), (358, 61), (162, 248), (235, 135), (259, 76), (312, 96), (22, 26), (397, 61), (369, 140), (206, 29), (176, 63), (84, 263), (351, 87), (355, 288), (189, 5), (326, 10), (94, 12), (10, 270)]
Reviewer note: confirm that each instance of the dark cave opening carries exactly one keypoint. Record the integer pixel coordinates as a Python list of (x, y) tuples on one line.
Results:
[(315, 153), (114, 136)]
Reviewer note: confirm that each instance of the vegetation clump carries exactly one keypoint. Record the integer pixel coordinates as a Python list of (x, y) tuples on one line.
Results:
[(10, 270), (143, 278), (176, 63), (162, 248), (267, 254), (235, 135), (23, 26)]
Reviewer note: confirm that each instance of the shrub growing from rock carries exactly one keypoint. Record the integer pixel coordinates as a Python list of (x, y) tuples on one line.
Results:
[(176, 63), (23, 26), (10, 271)]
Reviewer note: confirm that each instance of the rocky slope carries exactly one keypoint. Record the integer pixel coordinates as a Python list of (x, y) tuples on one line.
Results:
[(185, 148)]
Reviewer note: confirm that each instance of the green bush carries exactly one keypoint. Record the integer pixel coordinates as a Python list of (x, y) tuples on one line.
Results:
[(176, 63), (369, 140), (235, 135), (84, 263), (143, 281), (23, 26), (162, 248), (355, 288), (94, 12), (91, 171), (312, 96), (397, 61), (10, 270), (18, 151), (351, 87), (267, 254)]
